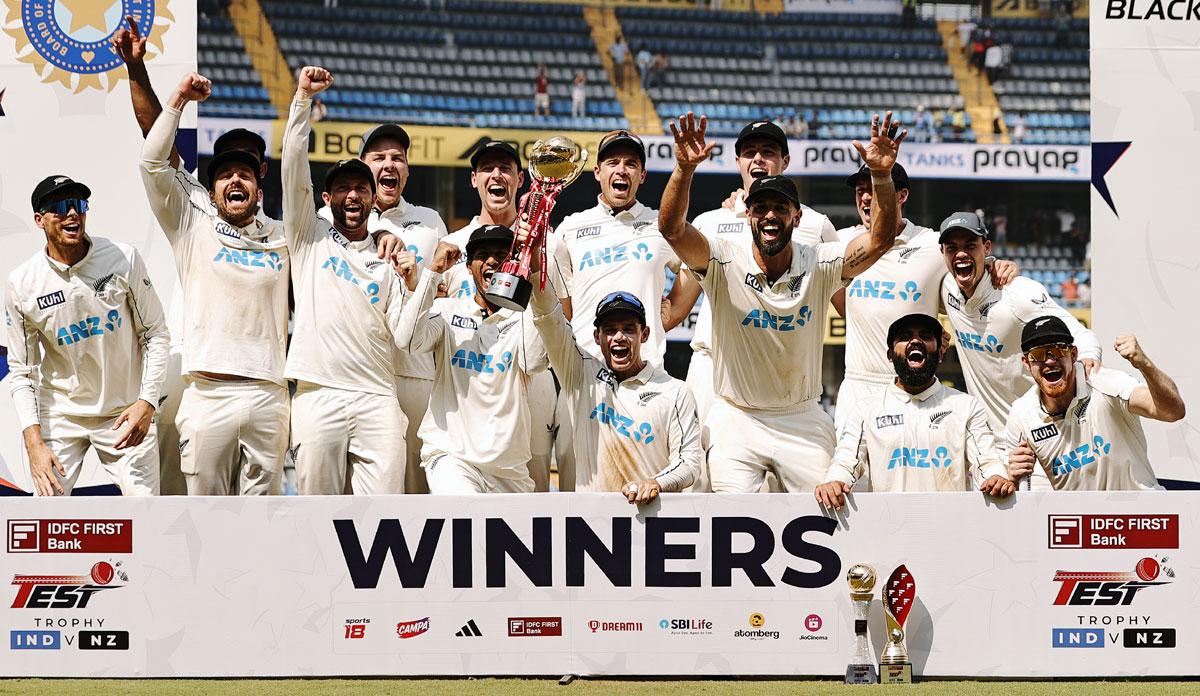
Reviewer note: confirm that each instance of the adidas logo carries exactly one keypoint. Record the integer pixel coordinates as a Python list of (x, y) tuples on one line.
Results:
[(470, 630)]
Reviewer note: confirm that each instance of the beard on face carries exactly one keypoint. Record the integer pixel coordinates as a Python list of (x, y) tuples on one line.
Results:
[(919, 377), (775, 247)]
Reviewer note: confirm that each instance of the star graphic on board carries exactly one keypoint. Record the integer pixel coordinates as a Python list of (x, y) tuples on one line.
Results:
[(87, 13), (1104, 156)]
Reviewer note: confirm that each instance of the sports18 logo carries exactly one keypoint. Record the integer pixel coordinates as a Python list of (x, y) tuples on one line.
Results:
[(64, 591), (1109, 589)]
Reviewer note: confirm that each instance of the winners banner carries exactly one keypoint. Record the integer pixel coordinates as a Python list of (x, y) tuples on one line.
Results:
[(1073, 585)]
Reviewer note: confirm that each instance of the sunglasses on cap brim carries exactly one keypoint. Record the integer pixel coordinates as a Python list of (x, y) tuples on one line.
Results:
[(64, 206)]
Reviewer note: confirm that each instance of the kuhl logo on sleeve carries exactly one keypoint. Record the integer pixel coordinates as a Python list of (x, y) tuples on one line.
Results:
[(753, 282), (729, 228), (889, 421), (1045, 432), (588, 232), (464, 322), (50, 300)]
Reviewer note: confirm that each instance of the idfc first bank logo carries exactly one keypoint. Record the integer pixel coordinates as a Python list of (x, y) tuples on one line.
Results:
[(70, 536)]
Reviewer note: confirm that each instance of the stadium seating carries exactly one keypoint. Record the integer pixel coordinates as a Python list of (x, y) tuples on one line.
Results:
[(237, 90)]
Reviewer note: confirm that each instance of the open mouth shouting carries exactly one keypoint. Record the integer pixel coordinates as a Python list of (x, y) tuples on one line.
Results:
[(621, 187), (237, 196), (963, 269), (389, 184), (915, 355), (770, 231), (72, 229), (497, 192), (758, 171), (620, 353), (1053, 375)]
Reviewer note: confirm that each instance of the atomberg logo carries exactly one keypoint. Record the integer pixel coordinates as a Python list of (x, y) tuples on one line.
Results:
[(412, 629), (757, 632), (1084, 588), (66, 591)]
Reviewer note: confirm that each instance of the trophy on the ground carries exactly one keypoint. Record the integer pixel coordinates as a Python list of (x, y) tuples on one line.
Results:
[(861, 669), (553, 164), (898, 596)]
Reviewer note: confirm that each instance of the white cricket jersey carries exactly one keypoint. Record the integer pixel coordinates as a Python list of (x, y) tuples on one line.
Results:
[(457, 278), (987, 328), (235, 279), (479, 407), (1097, 445), (623, 431), (905, 280), (599, 251), (94, 333), (420, 229), (348, 301), (768, 338), (937, 440), (814, 228)]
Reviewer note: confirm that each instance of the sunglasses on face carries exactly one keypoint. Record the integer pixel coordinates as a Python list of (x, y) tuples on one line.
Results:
[(1058, 351), (64, 206), (760, 209)]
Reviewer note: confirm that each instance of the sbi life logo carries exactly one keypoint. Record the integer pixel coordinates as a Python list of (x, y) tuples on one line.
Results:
[(87, 327), (918, 458), (1084, 455), (620, 253), (642, 433), (981, 344), (909, 291)]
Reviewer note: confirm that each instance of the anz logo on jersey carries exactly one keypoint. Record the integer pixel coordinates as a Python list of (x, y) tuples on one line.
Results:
[(1084, 455), (464, 289), (249, 259), (982, 344), (885, 290), (918, 458), (642, 434), (620, 253), (89, 326), (341, 269), (762, 319), (416, 251), (481, 363)]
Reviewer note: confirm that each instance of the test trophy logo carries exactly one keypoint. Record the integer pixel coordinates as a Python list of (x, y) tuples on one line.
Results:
[(861, 669), (898, 596), (67, 41), (553, 164)]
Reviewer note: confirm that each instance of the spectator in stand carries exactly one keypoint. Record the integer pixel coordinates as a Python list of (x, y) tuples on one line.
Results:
[(644, 60), (1070, 291), (658, 68), (319, 111), (908, 14), (965, 30), (541, 94), (579, 96), (922, 128), (993, 60), (1062, 27), (977, 50), (958, 123), (1017, 131), (1085, 294), (814, 125), (619, 52)]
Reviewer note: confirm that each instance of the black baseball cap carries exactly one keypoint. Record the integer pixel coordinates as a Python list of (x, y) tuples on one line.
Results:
[(962, 221), (1045, 331), (899, 176), (226, 140), (488, 233), (349, 166), (392, 130), (918, 320), (621, 137), (52, 185), (761, 129), (498, 147), (218, 162), (620, 301), (773, 184)]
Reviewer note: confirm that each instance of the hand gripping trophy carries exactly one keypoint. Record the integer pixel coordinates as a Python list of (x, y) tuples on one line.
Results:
[(553, 164), (861, 669)]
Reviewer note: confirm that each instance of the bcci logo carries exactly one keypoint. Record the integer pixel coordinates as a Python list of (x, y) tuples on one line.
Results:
[(67, 41)]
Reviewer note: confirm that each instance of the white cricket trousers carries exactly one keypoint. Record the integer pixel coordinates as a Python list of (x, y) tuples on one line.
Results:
[(414, 401), (542, 407), (451, 476), (232, 436), (347, 441), (797, 446), (134, 470)]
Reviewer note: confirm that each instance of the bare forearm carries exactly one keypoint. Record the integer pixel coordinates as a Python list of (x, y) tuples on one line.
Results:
[(1168, 402), (33, 437), (672, 214), (885, 212), (146, 106)]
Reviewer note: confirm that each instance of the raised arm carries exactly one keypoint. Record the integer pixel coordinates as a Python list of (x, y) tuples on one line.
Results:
[(690, 151), (681, 300), (880, 156), (130, 45), (299, 215), (1159, 399), (168, 189), (550, 320)]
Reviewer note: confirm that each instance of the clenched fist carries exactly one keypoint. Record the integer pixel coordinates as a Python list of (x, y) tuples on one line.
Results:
[(314, 80)]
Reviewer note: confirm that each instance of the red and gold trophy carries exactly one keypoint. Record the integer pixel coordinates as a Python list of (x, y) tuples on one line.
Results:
[(553, 164), (898, 596)]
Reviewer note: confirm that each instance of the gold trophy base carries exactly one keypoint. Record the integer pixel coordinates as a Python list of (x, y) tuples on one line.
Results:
[(896, 674), (861, 674), (509, 291)]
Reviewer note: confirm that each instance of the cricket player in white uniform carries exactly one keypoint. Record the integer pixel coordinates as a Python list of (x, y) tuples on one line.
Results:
[(476, 432), (634, 426), (1081, 431), (917, 434), (769, 296), (907, 279), (761, 149), (83, 314), (496, 175), (347, 425), (987, 321), (416, 229), (234, 268)]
